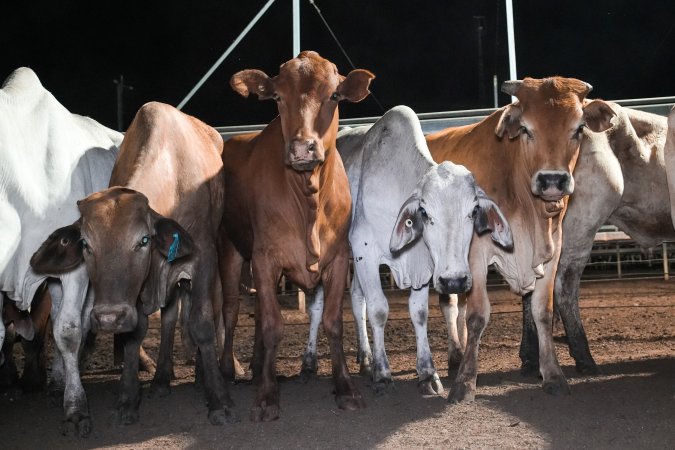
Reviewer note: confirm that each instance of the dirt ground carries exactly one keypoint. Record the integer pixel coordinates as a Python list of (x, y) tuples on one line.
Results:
[(631, 327)]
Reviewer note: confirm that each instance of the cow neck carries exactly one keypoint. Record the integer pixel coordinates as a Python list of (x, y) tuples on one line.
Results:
[(307, 186)]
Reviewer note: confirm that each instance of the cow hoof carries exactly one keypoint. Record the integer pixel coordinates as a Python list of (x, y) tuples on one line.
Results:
[(12, 393), (384, 386), (127, 417), (159, 390), (431, 386), (222, 416), (351, 401), (306, 375), (366, 370), (76, 426), (264, 413), (587, 368), (557, 385), (462, 393), (529, 369)]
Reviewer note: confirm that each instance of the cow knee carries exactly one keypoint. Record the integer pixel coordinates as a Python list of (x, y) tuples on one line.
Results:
[(68, 336)]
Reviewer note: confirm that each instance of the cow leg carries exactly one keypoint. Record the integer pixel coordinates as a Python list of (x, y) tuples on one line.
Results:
[(161, 382), (418, 307), (202, 331), (67, 327), (269, 330), (8, 372), (315, 311), (542, 311), (567, 283), (230, 262), (529, 342), (34, 376), (364, 356), (454, 312), (334, 279), (478, 315), (2, 329)]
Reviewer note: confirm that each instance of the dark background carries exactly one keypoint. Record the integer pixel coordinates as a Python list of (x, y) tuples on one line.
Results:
[(424, 53)]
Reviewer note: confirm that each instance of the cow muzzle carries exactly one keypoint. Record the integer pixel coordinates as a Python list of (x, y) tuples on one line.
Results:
[(113, 318), (552, 185), (453, 284), (305, 154)]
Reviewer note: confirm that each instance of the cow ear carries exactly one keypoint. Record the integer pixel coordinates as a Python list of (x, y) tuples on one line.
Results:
[(61, 252), (509, 122), (354, 87), (252, 81), (409, 225), (598, 115), (23, 324), (171, 240), (488, 217)]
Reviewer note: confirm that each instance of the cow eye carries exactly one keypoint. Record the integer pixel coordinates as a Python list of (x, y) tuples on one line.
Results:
[(144, 241), (335, 97), (579, 131), (474, 212), (84, 243), (527, 132), (424, 214), (276, 97)]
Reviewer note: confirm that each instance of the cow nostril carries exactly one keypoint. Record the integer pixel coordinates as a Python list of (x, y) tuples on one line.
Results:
[(311, 147)]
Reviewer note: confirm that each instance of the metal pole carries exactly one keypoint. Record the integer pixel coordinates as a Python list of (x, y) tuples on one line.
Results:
[(296, 28), (226, 54), (480, 29), (512, 42), (495, 92), (666, 265)]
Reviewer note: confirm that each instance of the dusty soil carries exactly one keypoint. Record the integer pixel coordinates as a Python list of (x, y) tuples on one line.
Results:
[(631, 327)]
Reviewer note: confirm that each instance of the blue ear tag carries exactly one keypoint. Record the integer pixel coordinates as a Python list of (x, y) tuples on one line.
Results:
[(175, 246)]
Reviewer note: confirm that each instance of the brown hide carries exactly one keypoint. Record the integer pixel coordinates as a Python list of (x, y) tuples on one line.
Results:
[(298, 213), (287, 209), (505, 151)]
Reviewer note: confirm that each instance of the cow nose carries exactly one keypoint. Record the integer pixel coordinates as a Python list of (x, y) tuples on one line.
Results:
[(553, 185), (450, 285), (304, 154), (113, 318)]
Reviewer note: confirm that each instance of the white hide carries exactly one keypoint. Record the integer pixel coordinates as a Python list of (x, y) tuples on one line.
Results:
[(49, 159)]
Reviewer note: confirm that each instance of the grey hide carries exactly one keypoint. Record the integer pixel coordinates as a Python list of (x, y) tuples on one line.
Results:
[(621, 180), (415, 216), (49, 159)]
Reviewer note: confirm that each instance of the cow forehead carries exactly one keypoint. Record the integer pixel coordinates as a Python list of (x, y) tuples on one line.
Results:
[(448, 184), (112, 207), (307, 72)]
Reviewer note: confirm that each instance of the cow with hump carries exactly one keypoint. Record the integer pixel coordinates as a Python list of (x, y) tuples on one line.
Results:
[(415, 216), (49, 158), (523, 156), (288, 211), (149, 242), (623, 178)]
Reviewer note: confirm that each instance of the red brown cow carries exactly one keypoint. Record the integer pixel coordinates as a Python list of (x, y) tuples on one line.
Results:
[(149, 242), (287, 211), (523, 156)]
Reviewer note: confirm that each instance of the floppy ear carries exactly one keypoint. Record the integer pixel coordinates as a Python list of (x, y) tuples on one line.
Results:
[(171, 240), (355, 85), (23, 324), (489, 217), (509, 122), (61, 252), (409, 225), (598, 115), (252, 81)]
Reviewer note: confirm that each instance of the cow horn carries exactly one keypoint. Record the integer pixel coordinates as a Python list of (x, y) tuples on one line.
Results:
[(589, 88), (511, 87)]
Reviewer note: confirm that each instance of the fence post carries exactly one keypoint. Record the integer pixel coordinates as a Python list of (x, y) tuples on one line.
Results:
[(666, 265), (618, 261)]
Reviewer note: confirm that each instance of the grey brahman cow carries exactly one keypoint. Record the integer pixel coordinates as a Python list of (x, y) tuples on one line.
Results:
[(415, 216)]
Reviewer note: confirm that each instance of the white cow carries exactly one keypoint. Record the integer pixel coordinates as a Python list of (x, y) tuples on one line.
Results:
[(415, 216), (621, 179), (49, 159)]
